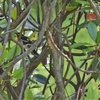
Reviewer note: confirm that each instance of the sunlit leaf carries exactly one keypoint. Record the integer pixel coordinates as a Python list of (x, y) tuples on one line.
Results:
[(36, 86), (40, 78), (14, 13), (92, 30), (70, 8), (14, 51), (87, 50), (28, 94), (18, 73), (3, 56)]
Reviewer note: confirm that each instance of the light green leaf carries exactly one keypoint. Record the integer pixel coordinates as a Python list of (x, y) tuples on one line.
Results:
[(18, 73), (5, 96), (14, 13), (3, 56), (28, 94), (14, 51), (76, 45), (92, 30), (70, 8), (87, 50)]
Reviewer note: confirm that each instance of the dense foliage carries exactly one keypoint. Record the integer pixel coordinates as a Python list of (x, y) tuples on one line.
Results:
[(44, 52)]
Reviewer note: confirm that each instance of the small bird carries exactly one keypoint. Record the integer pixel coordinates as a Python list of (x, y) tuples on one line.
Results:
[(27, 43)]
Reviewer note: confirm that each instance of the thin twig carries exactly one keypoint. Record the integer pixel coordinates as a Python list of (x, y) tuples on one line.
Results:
[(24, 80), (8, 27), (68, 59)]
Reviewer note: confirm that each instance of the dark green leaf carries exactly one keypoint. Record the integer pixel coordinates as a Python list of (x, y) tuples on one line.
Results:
[(95, 66), (98, 37), (7, 65), (85, 24), (95, 61), (95, 76), (92, 30), (40, 78)]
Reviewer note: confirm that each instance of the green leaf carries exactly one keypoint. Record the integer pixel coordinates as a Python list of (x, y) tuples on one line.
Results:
[(87, 50), (95, 61), (70, 8), (39, 97), (14, 13), (76, 45), (32, 81), (84, 9), (98, 37), (14, 51), (36, 86), (3, 23), (7, 65), (92, 30), (40, 78), (95, 76), (85, 24), (28, 94), (73, 3), (82, 2), (95, 66), (3, 56), (18, 73), (5, 96)]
